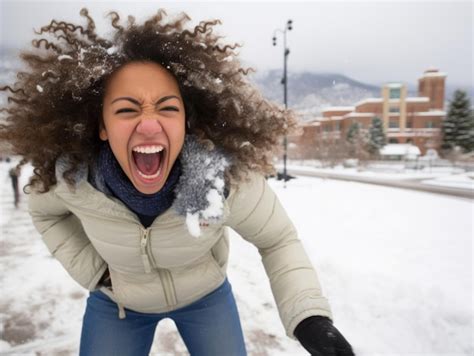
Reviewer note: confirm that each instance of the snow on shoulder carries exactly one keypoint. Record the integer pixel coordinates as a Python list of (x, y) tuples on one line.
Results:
[(200, 190)]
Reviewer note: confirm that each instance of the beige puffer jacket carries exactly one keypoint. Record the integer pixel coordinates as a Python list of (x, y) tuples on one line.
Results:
[(163, 267)]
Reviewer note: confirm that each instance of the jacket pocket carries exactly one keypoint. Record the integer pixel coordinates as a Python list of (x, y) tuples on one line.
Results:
[(220, 252), (197, 279), (142, 292), (218, 268)]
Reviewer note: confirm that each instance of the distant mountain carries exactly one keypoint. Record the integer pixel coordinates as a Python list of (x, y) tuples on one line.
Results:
[(309, 93)]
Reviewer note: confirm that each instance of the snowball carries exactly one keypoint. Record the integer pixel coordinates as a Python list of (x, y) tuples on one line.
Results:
[(211, 174), (81, 53), (215, 204), (192, 222), (219, 183), (39, 88), (78, 128), (64, 56), (112, 50)]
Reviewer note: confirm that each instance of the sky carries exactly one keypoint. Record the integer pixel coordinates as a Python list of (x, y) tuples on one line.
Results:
[(374, 42)]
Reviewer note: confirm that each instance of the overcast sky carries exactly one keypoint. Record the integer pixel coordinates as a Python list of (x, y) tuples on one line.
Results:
[(374, 42)]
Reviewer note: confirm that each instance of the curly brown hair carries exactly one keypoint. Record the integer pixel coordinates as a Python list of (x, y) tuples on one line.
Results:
[(55, 107)]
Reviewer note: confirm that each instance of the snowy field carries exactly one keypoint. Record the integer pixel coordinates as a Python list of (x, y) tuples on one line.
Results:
[(396, 266)]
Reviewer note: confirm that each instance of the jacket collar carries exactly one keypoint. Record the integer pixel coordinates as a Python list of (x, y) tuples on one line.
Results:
[(200, 192)]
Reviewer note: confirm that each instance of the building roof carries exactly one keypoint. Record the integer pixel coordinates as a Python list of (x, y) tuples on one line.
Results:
[(313, 124), (433, 74), (400, 149), (332, 118), (338, 108), (369, 100), (358, 114), (431, 113), (394, 85), (417, 99), (310, 123)]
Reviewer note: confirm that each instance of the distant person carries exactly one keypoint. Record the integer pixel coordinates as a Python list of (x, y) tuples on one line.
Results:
[(14, 175)]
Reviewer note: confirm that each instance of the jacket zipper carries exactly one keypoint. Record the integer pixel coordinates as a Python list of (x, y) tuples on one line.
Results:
[(166, 278), (148, 262), (143, 248)]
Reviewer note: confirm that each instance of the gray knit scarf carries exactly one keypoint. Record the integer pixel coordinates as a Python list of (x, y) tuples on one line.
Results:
[(108, 174)]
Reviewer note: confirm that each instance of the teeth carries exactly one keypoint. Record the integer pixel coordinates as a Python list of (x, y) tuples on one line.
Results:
[(153, 176), (148, 149)]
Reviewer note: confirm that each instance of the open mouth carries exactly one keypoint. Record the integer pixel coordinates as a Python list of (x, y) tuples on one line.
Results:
[(149, 161)]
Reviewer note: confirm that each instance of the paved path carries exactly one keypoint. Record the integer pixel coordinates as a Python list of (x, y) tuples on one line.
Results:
[(405, 184)]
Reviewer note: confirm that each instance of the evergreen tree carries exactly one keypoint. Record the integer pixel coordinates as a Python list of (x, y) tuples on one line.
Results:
[(458, 127), (353, 132), (356, 142), (377, 138)]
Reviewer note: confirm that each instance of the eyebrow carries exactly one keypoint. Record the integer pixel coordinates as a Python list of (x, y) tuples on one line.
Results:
[(135, 101)]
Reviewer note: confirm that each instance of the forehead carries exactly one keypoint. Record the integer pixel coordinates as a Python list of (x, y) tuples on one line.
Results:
[(141, 77)]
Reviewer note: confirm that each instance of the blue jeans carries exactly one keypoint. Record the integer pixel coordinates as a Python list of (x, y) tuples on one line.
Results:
[(209, 327)]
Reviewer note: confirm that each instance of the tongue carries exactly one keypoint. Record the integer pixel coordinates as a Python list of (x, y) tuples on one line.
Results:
[(147, 163)]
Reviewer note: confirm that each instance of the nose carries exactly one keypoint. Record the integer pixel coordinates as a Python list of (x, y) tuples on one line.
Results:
[(149, 127)]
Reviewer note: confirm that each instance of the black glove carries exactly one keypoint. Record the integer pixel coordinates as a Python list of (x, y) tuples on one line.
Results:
[(321, 338)]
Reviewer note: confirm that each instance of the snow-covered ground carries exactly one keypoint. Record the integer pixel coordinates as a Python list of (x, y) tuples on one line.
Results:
[(395, 264)]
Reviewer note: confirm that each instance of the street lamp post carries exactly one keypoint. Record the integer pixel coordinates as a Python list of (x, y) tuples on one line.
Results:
[(286, 52)]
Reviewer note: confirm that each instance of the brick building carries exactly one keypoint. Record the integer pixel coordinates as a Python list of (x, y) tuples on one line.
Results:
[(415, 120)]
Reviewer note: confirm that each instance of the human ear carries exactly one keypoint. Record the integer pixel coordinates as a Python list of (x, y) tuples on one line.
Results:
[(103, 132)]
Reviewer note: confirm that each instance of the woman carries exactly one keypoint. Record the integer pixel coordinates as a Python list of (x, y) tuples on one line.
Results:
[(145, 148)]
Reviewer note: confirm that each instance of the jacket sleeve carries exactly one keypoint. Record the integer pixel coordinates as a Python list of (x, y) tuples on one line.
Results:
[(258, 216), (64, 236)]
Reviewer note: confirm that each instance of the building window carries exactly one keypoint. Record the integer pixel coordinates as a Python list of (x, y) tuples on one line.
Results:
[(394, 93), (409, 124), (327, 128), (392, 140), (337, 126), (393, 124), (429, 124), (394, 109)]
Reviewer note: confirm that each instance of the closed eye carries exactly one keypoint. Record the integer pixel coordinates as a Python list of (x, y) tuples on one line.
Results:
[(168, 108), (125, 110), (172, 108)]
